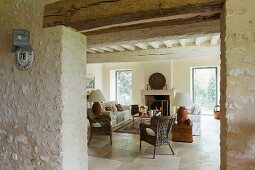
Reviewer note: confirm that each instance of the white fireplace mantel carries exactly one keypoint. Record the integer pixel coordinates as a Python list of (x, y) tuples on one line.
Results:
[(157, 92), (170, 93)]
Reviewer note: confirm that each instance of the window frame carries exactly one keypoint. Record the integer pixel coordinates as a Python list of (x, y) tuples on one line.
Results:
[(116, 82), (216, 73)]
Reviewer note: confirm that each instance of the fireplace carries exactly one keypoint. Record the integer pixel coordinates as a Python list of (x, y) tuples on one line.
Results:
[(158, 99), (158, 102)]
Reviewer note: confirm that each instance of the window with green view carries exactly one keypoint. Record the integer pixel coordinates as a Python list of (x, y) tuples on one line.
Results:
[(205, 88), (124, 86)]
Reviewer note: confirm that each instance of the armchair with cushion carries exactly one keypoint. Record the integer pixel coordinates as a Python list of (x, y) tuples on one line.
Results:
[(99, 125), (156, 133)]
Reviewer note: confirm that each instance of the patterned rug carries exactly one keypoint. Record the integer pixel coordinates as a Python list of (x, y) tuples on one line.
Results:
[(129, 128), (132, 129)]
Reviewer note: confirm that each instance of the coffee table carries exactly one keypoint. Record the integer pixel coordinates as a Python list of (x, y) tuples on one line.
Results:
[(143, 116)]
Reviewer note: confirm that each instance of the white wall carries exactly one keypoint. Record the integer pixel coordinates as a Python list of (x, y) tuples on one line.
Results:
[(176, 72), (137, 76), (141, 72), (182, 71), (163, 67), (97, 71)]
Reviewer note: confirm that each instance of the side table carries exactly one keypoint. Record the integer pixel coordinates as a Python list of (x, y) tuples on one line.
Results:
[(182, 133)]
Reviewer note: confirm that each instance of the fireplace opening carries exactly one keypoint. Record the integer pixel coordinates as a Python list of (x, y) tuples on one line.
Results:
[(158, 102)]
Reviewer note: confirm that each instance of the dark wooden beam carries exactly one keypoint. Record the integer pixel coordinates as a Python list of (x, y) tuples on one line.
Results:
[(164, 23), (85, 15), (154, 34)]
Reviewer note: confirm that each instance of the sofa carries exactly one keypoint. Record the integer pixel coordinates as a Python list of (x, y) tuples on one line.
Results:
[(194, 113), (116, 115)]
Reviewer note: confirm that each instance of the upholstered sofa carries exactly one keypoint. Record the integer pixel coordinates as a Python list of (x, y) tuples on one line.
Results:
[(194, 113), (116, 116)]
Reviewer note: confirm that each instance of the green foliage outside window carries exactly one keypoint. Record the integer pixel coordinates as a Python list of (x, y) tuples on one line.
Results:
[(205, 87), (124, 86)]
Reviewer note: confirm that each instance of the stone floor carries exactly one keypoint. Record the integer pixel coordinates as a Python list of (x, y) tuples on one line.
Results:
[(124, 154)]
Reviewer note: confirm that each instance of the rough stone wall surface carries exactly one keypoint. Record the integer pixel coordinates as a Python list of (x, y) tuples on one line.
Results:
[(238, 98), (31, 103), (74, 100)]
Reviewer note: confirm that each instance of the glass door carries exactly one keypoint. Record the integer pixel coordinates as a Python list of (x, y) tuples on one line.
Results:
[(205, 88)]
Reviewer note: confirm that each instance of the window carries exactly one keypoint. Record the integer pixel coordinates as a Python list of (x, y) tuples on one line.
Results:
[(124, 86), (205, 88)]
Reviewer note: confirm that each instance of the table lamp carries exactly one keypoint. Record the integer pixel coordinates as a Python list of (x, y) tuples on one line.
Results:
[(96, 96), (182, 100)]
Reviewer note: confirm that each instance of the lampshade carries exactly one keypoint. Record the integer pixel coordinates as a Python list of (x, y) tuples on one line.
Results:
[(182, 99), (96, 96)]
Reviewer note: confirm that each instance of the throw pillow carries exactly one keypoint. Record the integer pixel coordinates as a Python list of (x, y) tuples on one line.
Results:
[(114, 108), (119, 108), (108, 108), (150, 132)]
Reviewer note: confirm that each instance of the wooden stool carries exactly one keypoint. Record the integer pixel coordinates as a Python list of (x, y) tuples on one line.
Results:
[(182, 133)]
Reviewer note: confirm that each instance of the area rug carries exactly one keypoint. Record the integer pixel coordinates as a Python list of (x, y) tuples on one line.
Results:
[(132, 129), (129, 128)]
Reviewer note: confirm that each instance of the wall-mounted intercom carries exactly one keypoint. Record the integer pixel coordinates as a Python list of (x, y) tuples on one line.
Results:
[(24, 54)]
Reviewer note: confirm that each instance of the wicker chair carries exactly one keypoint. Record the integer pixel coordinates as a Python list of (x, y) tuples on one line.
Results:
[(99, 125), (157, 132)]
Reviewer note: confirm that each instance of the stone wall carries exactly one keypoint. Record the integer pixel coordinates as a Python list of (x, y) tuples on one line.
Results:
[(238, 85), (74, 99), (33, 109)]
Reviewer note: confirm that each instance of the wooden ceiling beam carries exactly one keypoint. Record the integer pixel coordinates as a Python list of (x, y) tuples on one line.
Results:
[(107, 49), (201, 17), (184, 42), (168, 43), (97, 49), (142, 46), (92, 14), (155, 54), (154, 44), (90, 51), (154, 34), (214, 39), (200, 40), (117, 48), (128, 46), (197, 41)]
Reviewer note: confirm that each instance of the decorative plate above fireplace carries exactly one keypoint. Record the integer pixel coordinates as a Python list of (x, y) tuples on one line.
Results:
[(157, 81)]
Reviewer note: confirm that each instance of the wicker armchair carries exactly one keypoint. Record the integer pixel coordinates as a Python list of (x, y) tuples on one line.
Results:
[(99, 125), (157, 132)]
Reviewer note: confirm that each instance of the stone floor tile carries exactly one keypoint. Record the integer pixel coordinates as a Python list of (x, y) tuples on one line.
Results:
[(96, 163), (124, 153), (130, 166), (121, 155)]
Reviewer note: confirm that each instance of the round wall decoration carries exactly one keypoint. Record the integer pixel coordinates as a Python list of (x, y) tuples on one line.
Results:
[(157, 81)]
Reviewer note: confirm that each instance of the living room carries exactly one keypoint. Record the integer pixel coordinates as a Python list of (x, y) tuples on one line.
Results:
[(43, 109), (178, 75)]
